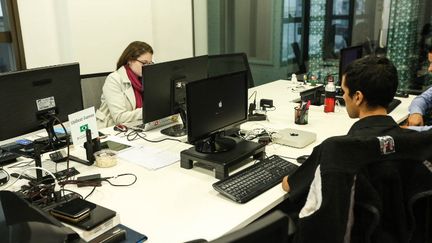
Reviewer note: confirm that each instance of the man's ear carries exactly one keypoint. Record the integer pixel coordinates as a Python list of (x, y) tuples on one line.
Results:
[(358, 98)]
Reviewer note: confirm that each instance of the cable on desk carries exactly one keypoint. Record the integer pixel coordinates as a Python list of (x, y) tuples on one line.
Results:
[(2, 170), (253, 93), (274, 108), (88, 195), (21, 164), (138, 133), (96, 182), (256, 133), (67, 144), (67, 190), (133, 134), (107, 179), (56, 182)]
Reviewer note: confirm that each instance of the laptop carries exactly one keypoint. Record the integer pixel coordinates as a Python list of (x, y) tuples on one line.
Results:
[(155, 124), (293, 137)]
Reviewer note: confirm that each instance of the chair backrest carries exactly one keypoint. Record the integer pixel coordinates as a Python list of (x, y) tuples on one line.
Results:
[(91, 86), (388, 176), (22, 222), (270, 228)]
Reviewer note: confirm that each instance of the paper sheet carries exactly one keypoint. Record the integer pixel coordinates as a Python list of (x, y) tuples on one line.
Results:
[(149, 157)]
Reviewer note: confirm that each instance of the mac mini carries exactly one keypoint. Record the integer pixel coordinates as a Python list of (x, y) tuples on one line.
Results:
[(293, 137)]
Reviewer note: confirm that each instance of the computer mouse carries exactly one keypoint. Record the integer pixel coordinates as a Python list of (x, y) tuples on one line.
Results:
[(120, 128), (302, 159)]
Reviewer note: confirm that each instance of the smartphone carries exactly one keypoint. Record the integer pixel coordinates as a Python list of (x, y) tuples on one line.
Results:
[(113, 145), (74, 210), (70, 219)]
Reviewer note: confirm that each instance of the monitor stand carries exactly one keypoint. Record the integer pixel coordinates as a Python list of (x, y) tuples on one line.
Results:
[(178, 130), (221, 162)]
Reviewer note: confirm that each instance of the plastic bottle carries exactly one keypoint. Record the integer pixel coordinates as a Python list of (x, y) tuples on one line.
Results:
[(294, 78), (330, 93)]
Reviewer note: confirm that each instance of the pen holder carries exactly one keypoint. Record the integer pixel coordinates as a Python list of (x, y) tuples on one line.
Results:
[(301, 116)]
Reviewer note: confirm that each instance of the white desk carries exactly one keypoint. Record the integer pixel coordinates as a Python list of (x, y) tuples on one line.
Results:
[(176, 205)]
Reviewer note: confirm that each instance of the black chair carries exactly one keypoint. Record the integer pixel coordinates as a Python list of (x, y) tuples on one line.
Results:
[(390, 180), (22, 222)]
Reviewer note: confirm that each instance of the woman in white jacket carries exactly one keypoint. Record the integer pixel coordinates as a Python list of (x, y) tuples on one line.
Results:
[(121, 99)]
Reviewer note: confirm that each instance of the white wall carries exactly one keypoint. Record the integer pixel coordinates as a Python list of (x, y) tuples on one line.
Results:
[(172, 29), (200, 27), (94, 33)]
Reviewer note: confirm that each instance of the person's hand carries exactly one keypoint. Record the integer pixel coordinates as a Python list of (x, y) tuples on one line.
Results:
[(415, 119), (285, 184)]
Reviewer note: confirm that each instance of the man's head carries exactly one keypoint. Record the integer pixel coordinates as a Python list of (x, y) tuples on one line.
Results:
[(369, 85)]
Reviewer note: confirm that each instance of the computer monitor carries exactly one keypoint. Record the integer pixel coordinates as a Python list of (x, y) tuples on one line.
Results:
[(270, 228), (29, 95), (229, 63), (163, 87), (214, 105), (347, 56)]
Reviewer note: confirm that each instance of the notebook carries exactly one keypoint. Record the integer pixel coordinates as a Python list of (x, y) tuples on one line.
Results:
[(293, 137)]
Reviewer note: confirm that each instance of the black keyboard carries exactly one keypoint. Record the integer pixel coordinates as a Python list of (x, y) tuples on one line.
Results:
[(256, 179), (7, 157), (393, 104)]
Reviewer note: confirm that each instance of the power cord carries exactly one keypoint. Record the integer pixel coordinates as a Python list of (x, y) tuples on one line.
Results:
[(6, 178), (56, 183), (96, 181), (134, 134)]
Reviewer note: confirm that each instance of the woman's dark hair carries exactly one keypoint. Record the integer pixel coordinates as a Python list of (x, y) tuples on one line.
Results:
[(133, 51), (376, 77)]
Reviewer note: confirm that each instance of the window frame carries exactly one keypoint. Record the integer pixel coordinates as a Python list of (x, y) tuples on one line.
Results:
[(330, 17), (13, 36), (304, 21)]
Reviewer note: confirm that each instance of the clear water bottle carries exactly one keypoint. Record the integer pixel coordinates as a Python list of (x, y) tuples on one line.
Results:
[(330, 94)]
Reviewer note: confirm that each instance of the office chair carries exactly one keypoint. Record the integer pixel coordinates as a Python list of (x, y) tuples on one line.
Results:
[(22, 222), (373, 189), (270, 228), (91, 87)]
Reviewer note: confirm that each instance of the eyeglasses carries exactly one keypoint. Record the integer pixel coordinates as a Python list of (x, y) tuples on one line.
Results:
[(145, 63)]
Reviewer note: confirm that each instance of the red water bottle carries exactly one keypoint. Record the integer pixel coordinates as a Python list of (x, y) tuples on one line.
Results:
[(330, 93)]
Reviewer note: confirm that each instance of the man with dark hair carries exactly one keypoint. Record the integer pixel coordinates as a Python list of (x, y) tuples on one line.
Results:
[(421, 106), (369, 85)]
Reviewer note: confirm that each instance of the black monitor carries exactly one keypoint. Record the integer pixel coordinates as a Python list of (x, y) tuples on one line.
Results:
[(28, 96), (213, 105), (229, 63), (347, 56), (270, 228), (162, 82)]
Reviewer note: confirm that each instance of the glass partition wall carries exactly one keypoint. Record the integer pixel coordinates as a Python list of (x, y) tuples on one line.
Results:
[(279, 35)]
